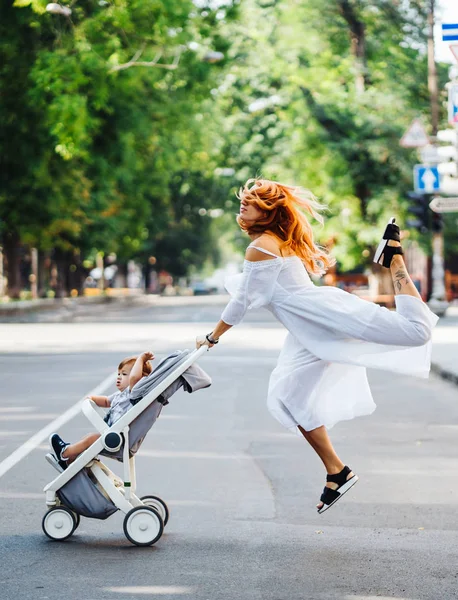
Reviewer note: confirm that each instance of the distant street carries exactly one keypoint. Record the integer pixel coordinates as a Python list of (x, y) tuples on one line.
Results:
[(241, 489)]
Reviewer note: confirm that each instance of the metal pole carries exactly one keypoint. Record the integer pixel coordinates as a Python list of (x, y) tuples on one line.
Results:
[(433, 85), (437, 302), (34, 275), (99, 265), (2, 281)]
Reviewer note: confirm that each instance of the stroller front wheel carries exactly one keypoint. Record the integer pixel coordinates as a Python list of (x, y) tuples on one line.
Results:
[(59, 523), (143, 526)]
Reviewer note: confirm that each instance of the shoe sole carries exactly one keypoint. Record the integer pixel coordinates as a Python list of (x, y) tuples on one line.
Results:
[(382, 245), (52, 460), (342, 491)]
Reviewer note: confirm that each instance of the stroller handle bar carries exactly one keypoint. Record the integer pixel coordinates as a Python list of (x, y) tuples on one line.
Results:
[(95, 415)]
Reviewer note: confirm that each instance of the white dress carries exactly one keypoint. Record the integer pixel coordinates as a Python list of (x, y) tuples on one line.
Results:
[(320, 377)]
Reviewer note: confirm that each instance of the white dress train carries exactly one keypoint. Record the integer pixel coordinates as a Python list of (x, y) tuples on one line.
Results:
[(320, 378)]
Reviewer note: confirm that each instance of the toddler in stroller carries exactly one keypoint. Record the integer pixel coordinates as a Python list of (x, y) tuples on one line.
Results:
[(130, 371), (87, 487)]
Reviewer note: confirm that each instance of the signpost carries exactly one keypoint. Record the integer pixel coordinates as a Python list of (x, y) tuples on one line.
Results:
[(444, 205), (453, 103), (430, 155), (447, 135), (449, 32), (447, 168), (415, 136), (426, 179)]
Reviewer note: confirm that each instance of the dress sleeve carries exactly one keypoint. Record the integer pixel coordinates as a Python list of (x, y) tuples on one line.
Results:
[(251, 289)]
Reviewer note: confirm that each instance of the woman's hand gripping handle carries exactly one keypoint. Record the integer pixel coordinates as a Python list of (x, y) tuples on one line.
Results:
[(212, 338)]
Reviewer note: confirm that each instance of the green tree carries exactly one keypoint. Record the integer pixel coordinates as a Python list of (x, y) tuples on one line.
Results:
[(106, 103), (319, 93)]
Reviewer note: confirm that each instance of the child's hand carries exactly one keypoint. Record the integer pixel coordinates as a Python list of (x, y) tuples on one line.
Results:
[(147, 356)]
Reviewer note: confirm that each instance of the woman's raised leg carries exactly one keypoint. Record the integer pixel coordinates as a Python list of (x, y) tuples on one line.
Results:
[(412, 323), (319, 440), (401, 279)]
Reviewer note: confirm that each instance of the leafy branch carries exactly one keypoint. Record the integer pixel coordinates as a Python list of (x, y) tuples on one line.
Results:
[(134, 62)]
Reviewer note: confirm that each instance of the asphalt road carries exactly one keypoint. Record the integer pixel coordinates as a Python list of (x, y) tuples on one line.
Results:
[(241, 489)]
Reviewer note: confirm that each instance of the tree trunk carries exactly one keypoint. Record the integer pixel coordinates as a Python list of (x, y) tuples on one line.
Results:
[(43, 272), (59, 274), (12, 252), (357, 40)]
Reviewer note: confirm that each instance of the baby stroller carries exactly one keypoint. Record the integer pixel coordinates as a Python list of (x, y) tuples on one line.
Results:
[(88, 488)]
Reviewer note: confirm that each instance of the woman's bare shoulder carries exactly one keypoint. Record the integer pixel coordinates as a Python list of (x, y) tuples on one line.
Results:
[(266, 242)]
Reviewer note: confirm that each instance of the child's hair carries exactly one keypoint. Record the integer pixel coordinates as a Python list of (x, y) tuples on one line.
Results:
[(147, 368)]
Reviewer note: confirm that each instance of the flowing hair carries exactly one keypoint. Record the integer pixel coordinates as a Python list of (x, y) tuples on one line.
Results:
[(284, 205)]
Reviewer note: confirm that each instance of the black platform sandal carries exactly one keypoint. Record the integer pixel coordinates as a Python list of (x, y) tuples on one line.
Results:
[(330, 496), (391, 233)]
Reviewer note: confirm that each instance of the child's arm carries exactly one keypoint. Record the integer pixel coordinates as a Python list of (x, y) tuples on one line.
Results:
[(137, 370), (102, 401)]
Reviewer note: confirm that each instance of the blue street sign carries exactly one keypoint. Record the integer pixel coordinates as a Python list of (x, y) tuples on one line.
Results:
[(426, 179), (450, 32), (453, 104)]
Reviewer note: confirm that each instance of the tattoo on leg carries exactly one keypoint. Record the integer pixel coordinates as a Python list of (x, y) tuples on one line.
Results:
[(400, 278)]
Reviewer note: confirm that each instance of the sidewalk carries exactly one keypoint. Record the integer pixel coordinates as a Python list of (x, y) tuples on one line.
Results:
[(445, 346), (57, 309), (445, 336), (50, 310)]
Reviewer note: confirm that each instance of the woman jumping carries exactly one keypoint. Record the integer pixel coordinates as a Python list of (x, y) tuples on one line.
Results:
[(320, 378)]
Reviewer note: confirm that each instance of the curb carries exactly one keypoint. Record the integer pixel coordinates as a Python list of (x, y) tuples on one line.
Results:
[(21, 307)]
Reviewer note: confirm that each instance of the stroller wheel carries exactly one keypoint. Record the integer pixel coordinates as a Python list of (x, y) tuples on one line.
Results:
[(159, 505), (59, 523), (77, 519), (143, 526)]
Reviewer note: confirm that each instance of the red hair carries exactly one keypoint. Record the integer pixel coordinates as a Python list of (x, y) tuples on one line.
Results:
[(285, 219)]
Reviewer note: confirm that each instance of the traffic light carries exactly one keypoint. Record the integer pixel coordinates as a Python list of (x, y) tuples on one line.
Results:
[(437, 223), (419, 207)]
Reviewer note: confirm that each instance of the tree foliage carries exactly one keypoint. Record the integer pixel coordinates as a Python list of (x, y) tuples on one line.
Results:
[(323, 92), (102, 111), (117, 131)]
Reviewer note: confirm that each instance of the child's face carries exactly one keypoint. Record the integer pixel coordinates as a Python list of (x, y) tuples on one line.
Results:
[(122, 380)]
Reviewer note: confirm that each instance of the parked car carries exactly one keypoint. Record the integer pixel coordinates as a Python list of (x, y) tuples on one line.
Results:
[(201, 288)]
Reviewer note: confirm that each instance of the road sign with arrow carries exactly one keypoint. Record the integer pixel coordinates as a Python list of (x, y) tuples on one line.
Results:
[(453, 104), (426, 179)]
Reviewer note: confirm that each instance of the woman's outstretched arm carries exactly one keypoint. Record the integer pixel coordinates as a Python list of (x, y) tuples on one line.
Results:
[(259, 274), (221, 327)]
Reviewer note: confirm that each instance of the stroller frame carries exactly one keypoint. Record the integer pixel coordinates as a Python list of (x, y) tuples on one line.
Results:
[(145, 518)]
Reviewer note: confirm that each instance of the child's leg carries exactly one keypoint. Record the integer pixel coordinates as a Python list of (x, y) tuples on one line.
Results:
[(74, 450)]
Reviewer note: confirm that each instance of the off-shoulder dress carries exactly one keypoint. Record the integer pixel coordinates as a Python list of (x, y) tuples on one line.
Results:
[(320, 378)]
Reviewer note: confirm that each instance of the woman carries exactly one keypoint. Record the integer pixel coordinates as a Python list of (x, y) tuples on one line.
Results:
[(320, 377)]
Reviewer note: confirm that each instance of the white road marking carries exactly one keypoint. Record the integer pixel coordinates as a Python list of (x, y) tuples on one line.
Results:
[(157, 590), (10, 461)]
